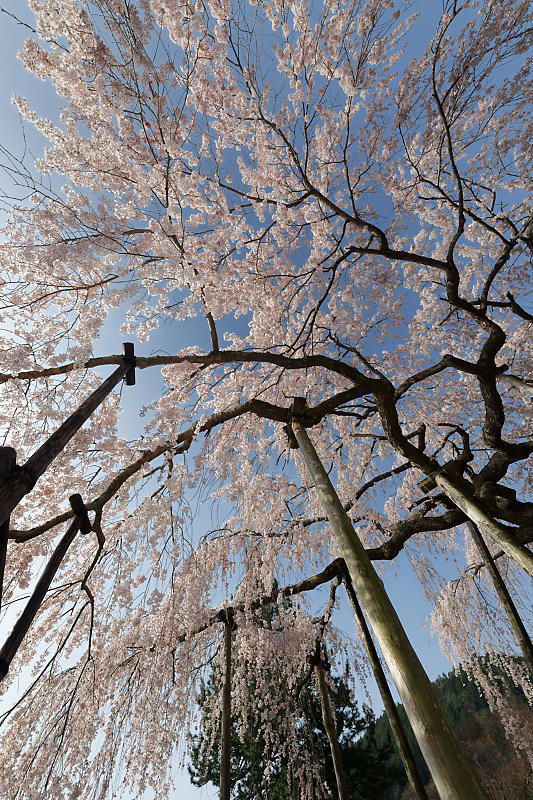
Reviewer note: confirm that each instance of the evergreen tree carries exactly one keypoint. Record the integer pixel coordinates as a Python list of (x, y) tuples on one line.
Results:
[(258, 766)]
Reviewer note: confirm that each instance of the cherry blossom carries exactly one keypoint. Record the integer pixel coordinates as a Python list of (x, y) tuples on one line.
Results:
[(339, 191)]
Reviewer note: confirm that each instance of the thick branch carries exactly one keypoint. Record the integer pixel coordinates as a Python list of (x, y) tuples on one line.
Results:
[(214, 358)]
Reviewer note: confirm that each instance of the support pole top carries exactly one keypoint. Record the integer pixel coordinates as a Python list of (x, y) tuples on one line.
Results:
[(80, 511), (298, 407), (429, 483)]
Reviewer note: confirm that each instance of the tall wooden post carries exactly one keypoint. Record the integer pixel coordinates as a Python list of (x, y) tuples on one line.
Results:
[(23, 478), (225, 750), (477, 514), (503, 593), (22, 625), (331, 729), (8, 460), (453, 775), (518, 383), (398, 732)]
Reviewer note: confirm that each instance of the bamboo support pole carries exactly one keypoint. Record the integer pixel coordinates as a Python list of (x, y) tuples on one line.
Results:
[(398, 732), (453, 775), (225, 750), (22, 625), (503, 593), (23, 478), (331, 730)]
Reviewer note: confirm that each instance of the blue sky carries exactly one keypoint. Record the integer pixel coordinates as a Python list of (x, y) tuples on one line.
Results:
[(404, 589)]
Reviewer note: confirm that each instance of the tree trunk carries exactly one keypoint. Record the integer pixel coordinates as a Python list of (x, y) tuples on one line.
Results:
[(331, 731), (503, 593), (15, 488), (453, 775), (225, 752), (398, 732), (518, 552), (8, 460)]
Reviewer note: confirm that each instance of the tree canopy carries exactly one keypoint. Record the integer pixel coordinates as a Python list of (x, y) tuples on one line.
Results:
[(339, 191)]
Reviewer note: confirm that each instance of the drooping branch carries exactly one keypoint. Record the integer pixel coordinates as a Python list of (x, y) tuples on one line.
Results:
[(306, 585), (215, 358), (182, 443)]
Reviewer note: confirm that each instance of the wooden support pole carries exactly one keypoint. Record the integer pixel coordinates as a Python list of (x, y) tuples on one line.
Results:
[(331, 730), (23, 479), (225, 751), (474, 511), (128, 351), (518, 383), (503, 593), (454, 777), (398, 731), (22, 625), (8, 461)]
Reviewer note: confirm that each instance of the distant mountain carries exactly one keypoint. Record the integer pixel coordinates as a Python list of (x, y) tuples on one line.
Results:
[(505, 774)]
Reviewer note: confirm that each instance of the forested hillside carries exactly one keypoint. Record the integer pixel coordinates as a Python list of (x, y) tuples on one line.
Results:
[(505, 773)]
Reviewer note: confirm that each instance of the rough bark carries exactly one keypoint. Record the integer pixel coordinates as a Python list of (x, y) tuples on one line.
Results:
[(8, 460)]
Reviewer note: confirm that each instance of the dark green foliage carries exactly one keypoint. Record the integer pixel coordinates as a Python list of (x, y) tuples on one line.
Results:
[(363, 760), (478, 730)]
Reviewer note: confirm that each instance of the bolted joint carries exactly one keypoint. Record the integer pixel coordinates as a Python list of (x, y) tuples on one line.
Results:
[(128, 350), (80, 512), (429, 483)]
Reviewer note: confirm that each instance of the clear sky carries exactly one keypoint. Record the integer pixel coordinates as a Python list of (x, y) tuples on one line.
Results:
[(405, 592)]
